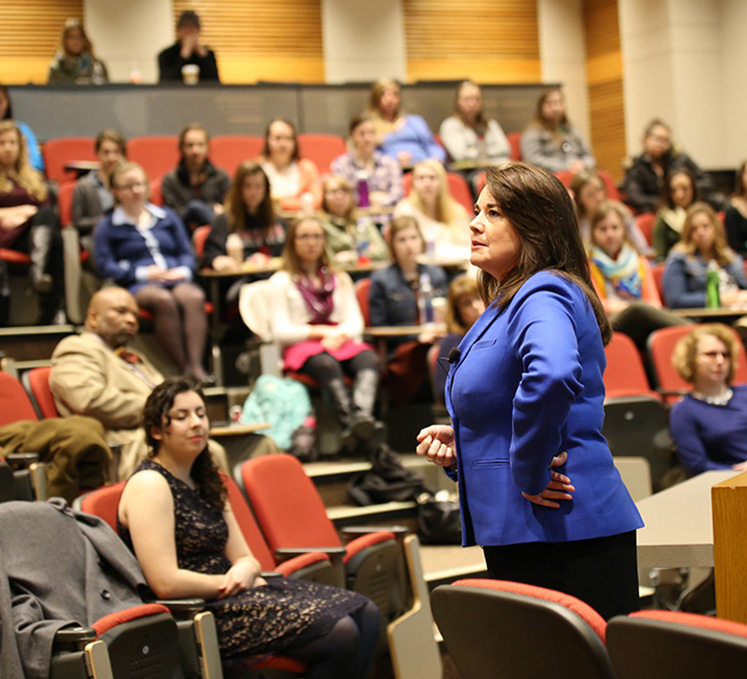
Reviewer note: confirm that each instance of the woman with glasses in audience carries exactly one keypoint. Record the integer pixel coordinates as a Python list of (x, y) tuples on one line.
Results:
[(145, 248), (316, 318), (709, 425), (348, 239)]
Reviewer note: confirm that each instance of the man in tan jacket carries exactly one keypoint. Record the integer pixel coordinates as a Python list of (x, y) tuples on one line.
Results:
[(95, 374)]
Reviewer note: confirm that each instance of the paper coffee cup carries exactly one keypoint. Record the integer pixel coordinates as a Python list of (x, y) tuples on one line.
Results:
[(191, 74)]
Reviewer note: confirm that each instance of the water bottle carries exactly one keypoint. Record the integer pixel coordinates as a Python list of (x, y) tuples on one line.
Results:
[(362, 242), (362, 179), (713, 296), (425, 299)]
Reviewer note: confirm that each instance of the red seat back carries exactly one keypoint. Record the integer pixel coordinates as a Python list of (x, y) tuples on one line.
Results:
[(199, 236), (15, 404), (286, 503), (156, 197), (58, 152), (645, 222), (230, 150), (625, 374), (65, 201), (249, 528), (613, 193), (103, 502), (38, 384), (322, 149), (362, 290), (158, 155), (514, 141)]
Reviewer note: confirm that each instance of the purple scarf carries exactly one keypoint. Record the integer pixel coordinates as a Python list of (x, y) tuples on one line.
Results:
[(318, 300)]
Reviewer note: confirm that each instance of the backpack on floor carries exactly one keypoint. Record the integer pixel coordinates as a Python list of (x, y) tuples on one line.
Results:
[(282, 402)]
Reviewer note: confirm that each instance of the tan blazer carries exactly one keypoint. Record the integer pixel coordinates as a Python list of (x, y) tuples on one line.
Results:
[(88, 378)]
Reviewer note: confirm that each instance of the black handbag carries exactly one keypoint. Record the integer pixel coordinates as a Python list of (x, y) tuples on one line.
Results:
[(387, 481), (439, 519)]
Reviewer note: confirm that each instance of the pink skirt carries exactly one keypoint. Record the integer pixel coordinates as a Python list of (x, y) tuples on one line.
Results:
[(295, 356)]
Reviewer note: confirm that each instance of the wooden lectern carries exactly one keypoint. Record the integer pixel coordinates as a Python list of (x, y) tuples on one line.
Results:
[(729, 500)]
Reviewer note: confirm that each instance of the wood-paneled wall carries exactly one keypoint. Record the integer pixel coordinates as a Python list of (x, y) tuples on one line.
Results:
[(29, 36), (262, 39), (604, 76), (491, 41)]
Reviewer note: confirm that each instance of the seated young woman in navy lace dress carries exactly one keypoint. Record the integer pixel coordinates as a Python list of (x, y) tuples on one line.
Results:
[(175, 516)]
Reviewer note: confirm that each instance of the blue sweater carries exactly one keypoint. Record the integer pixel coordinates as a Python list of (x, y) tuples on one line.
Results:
[(528, 386), (123, 252), (708, 436), (416, 138), (685, 279)]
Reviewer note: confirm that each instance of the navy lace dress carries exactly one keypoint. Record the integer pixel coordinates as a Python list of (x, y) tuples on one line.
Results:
[(262, 619)]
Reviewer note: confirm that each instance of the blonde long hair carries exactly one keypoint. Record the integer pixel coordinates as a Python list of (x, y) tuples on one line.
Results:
[(447, 209), (22, 173), (723, 253)]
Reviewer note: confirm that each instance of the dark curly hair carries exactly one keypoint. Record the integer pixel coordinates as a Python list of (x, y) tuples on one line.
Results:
[(156, 415)]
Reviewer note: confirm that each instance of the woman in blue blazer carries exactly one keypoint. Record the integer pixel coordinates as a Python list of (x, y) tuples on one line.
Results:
[(538, 487), (146, 249)]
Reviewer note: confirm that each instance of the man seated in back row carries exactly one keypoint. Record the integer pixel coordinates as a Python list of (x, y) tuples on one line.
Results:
[(95, 374)]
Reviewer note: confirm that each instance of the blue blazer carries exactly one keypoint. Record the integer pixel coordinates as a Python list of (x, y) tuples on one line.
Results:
[(528, 386), (123, 253)]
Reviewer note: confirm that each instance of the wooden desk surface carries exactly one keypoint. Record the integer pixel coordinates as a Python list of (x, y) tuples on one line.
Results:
[(238, 429), (703, 312), (679, 529), (248, 270), (403, 330)]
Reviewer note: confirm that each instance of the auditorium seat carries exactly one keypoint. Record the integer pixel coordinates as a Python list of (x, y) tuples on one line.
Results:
[(514, 140), (58, 152), (495, 628), (228, 151), (157, 154), (660, 644), (322, 149)]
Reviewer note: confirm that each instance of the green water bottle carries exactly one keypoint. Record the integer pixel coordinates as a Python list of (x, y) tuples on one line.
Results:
[(713, 298)]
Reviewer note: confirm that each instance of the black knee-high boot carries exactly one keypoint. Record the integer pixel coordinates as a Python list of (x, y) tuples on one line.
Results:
[(338, 401)]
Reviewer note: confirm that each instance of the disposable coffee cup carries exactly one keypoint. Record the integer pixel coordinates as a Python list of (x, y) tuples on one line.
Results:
[(191, 74)]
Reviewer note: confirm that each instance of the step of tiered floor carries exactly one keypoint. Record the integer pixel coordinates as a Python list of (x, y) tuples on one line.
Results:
[(441, 564)]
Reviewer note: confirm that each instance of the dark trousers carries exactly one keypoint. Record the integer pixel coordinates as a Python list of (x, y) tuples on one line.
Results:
[(602, 572)]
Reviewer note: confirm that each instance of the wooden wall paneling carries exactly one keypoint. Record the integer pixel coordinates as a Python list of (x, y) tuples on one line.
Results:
[(29, 36), (490, 41), (604, 76), (262, 40)]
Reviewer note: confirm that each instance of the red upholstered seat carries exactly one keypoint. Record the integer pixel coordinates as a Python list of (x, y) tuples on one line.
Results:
[(663, 644), (322, 149), (498, 628), (103, 625), (157, 154), (15, 404), (36, 382), (58, 152), (625, 374), (228, 151)]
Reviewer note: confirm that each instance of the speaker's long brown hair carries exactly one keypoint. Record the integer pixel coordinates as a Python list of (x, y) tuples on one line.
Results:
[(540, 209)]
